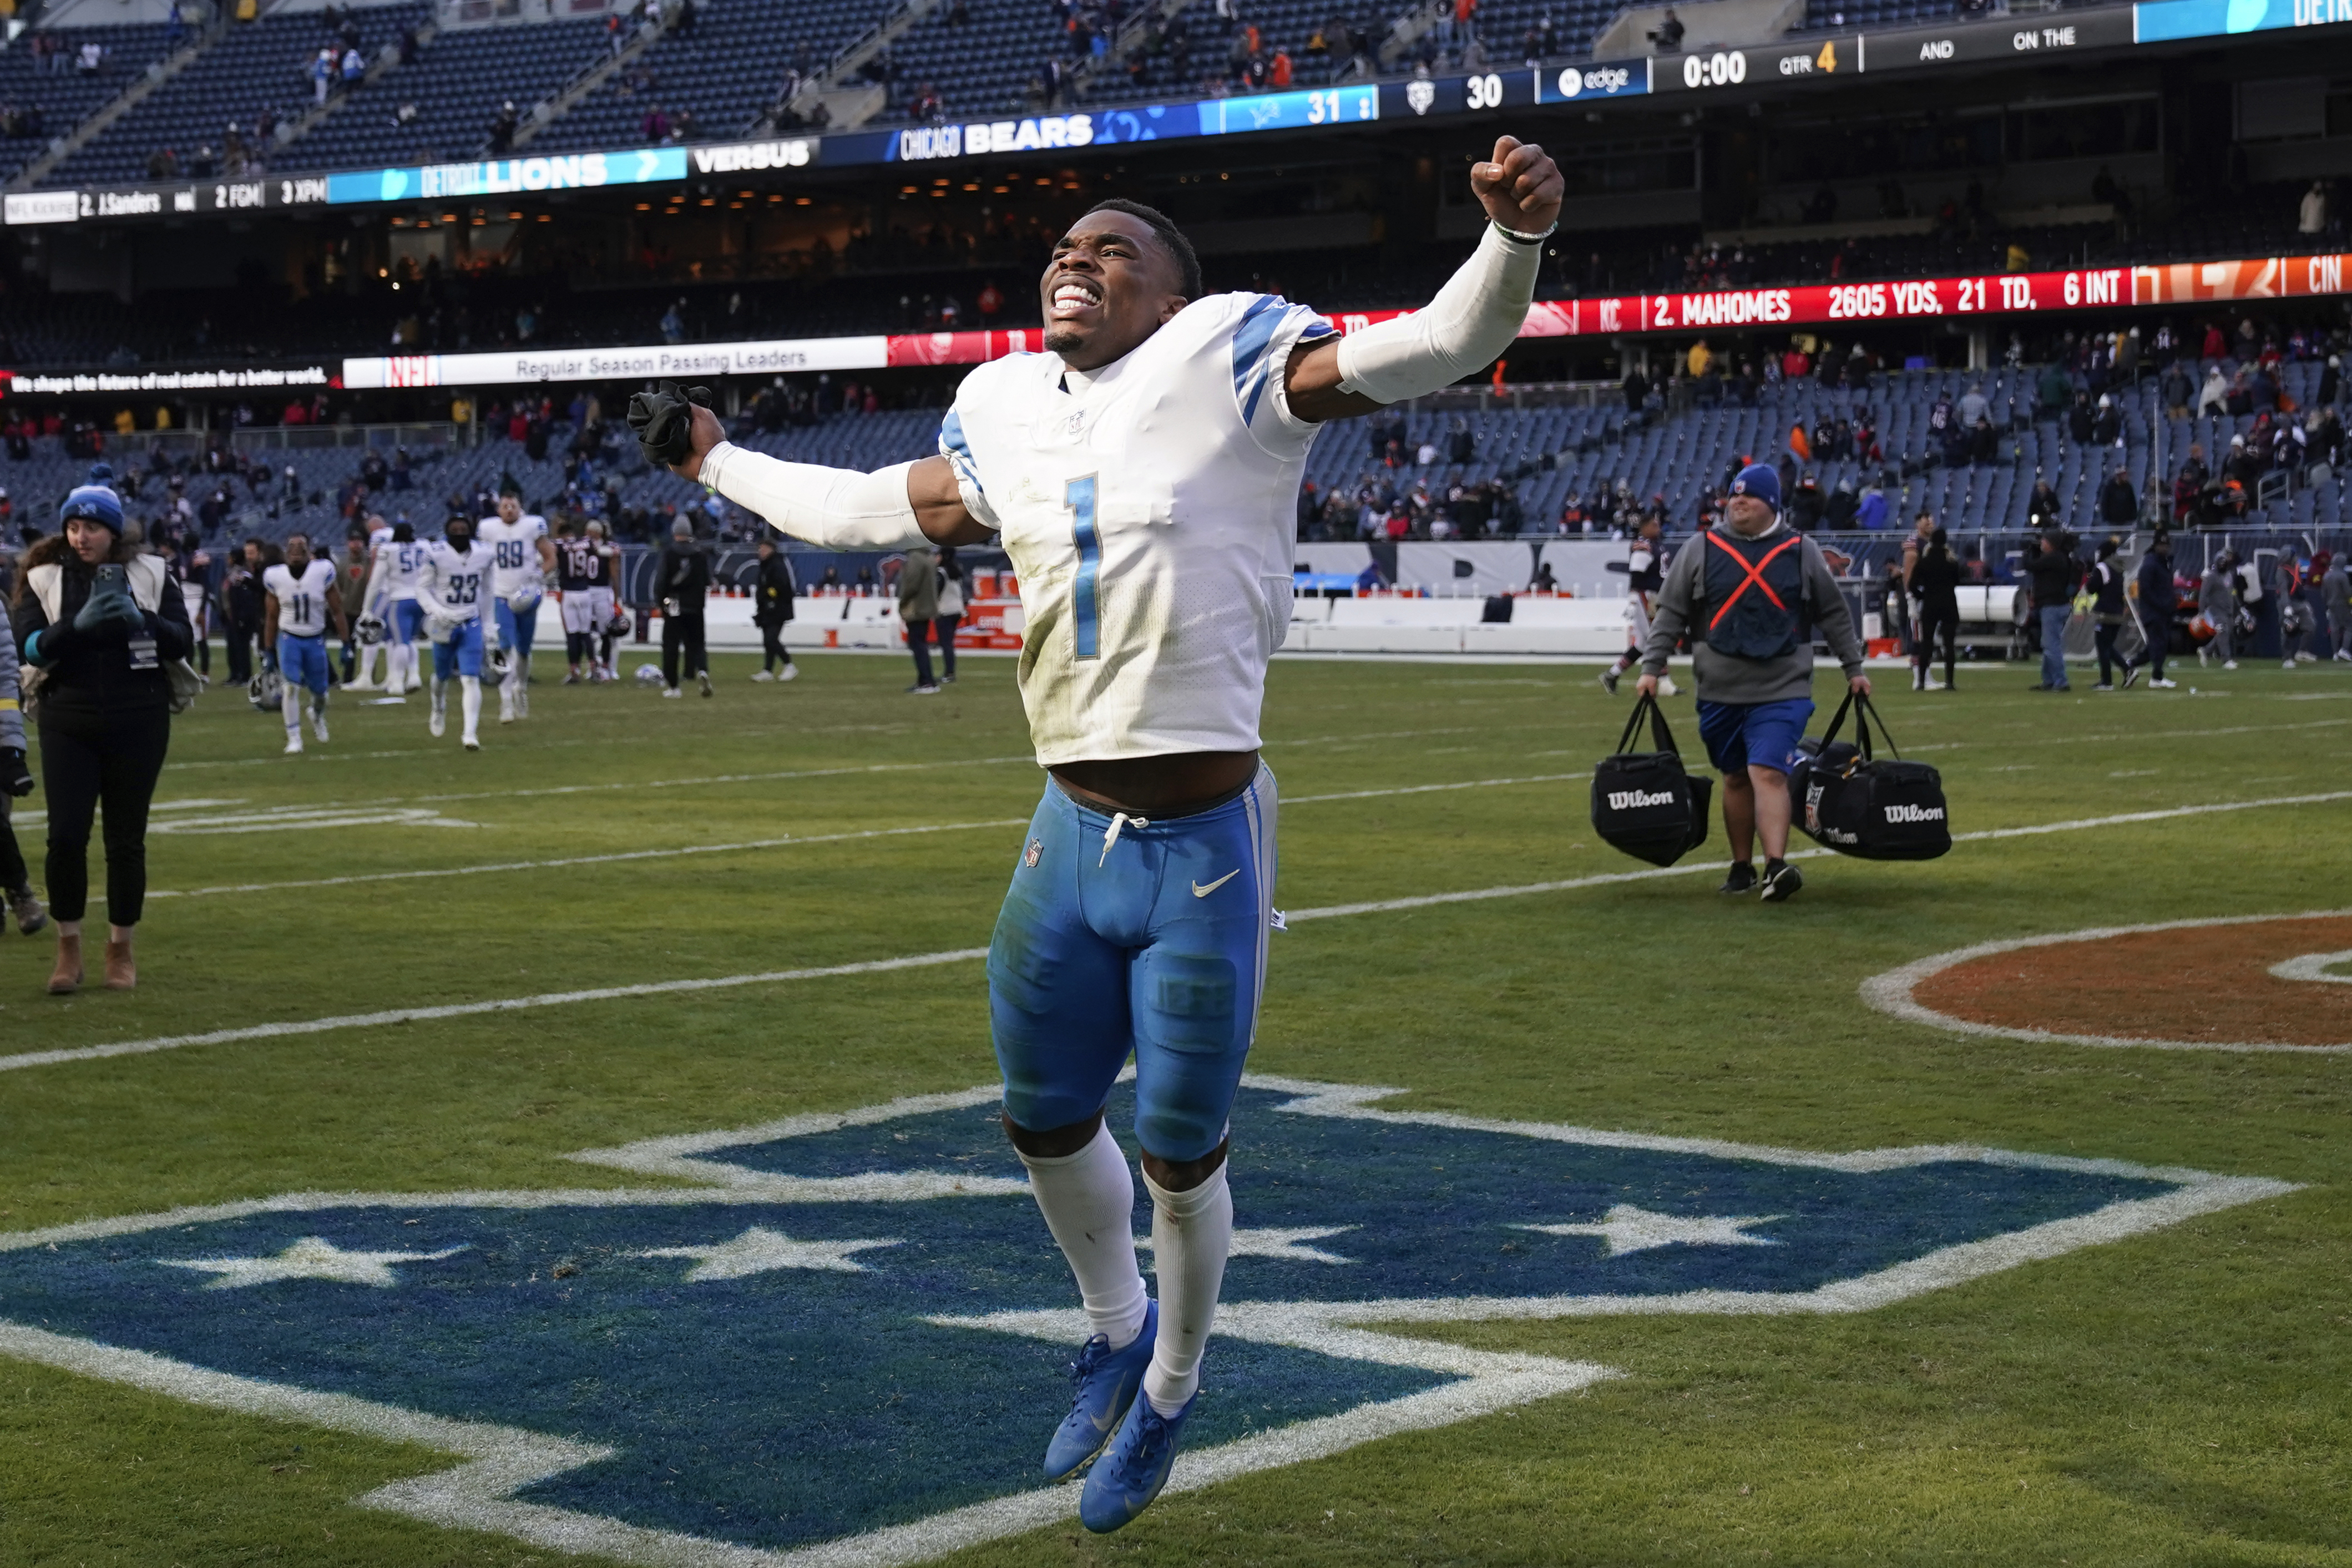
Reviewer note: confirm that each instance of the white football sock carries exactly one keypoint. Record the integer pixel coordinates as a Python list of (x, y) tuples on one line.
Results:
[(1089, 1202), (399, 661), (1191, 1234), (289, 703), (470, 701), (367, 664)]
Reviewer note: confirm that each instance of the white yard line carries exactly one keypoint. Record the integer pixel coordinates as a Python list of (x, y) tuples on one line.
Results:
[(586, 859), (957, 955), (778, 843)]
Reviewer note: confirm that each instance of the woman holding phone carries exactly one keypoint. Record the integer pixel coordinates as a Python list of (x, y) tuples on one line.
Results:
[(98, 624)]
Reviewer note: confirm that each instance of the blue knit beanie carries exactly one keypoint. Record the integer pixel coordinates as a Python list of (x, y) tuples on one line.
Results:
[(95, 501), (1759, 480)]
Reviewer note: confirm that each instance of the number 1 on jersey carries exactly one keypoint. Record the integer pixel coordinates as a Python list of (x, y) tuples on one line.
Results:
[(1080, 499)]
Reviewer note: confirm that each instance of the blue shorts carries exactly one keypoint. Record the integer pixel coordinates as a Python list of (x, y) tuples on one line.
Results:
[(517, 621), (407, 620), (303, 661), (1154, 947), (462, 653), (1753, 734)]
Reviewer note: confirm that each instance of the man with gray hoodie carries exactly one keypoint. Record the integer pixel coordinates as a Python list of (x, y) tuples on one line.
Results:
[(2335, 593), (1751, 593), (2217, 601)]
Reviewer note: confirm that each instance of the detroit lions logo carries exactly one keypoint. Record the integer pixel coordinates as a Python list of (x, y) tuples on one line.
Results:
[(747, 1360)]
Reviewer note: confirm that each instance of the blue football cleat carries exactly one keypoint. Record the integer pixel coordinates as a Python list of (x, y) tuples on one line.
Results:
[(1107, 1382), (1134, 1468)]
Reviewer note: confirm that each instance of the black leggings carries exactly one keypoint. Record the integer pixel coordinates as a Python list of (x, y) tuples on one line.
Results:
[(2103, 637), (88, 757), (15, 875), (1933, 620)]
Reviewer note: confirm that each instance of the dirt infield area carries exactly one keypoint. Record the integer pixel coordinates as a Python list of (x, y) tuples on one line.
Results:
[(2190, 982)]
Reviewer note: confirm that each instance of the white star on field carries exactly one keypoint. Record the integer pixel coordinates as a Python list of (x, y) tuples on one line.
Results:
[(1274, 1242), (760, 1249), (313, 1257), (1631, 1229)]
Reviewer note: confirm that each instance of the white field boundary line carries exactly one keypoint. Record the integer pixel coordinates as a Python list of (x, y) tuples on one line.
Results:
[(500, 1461), (786, 841), (1476, 895), (1892, 992), (957, 955)]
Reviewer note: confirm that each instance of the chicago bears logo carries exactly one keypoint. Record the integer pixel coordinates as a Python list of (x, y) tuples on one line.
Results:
[(841, 1336)]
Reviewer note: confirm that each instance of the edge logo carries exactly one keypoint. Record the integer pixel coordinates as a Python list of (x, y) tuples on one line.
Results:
[(736, 1360), (1601, 79)]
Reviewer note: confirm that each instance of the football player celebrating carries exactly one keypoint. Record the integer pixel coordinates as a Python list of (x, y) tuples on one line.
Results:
[(451, 590), (584, 566), (524, 559), (299, 597), (1142, 473)]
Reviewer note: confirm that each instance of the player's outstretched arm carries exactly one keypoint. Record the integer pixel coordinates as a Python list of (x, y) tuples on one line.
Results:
[(1470, 322), (902, 505)]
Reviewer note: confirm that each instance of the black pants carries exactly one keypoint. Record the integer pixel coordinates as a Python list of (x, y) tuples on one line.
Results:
[(2158, 635), (240, 653), (16, 877), (682, 633), (1933, 620), (88, 758), (944, 627), (204, 656), (918, 643), (773, 650), (918, 636), (2103, 637)]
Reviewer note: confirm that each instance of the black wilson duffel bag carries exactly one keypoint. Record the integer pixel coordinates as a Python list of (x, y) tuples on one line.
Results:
[(1858, 803), (1643, 802)]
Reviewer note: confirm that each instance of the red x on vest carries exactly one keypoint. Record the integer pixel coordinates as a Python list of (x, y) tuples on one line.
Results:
[(1754, 575)]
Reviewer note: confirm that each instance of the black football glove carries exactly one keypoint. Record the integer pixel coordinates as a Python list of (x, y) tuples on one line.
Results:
[(15, 776), (663, 422)]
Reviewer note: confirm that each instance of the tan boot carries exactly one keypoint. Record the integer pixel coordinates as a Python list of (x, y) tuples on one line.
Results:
[(121, 973), (66, 978)]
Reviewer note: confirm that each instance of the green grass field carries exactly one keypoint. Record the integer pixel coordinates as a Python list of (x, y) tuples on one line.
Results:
[(2174, 1398)]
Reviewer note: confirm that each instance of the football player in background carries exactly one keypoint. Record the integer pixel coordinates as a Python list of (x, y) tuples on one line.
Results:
[(523, 559), (1645, 572), (400, 563), (300, 596), (585, 564), (1142, 473), (452, 590)]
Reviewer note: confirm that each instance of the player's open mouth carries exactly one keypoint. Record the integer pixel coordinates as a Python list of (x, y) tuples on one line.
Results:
[(1074, 297)]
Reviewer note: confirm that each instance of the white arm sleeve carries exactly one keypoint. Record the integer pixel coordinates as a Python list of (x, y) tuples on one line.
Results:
[(837, 508), (1472, 320)]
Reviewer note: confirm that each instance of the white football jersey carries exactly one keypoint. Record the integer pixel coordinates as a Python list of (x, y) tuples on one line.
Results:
[(519, 572), (455, 583), (403, 568), (1150, 510), (301, 601)]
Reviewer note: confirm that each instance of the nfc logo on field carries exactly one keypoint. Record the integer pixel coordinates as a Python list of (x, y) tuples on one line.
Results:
[(843, 1333)]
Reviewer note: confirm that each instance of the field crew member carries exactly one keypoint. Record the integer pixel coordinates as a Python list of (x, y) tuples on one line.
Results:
[(1750, 592)]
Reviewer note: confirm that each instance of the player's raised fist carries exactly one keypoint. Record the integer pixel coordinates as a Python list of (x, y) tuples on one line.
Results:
[(1520, 187)]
